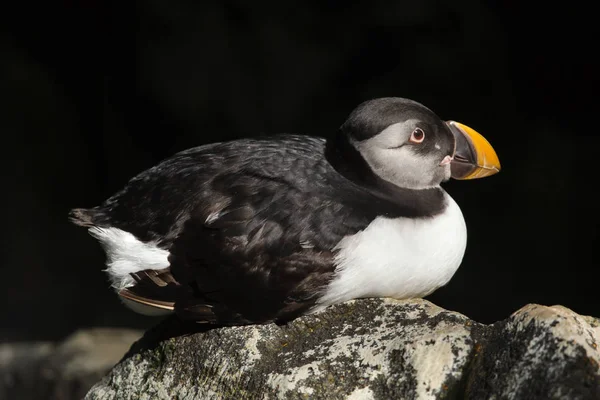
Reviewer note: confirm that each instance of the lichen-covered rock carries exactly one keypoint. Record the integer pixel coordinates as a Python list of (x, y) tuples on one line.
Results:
[(61, 371), (361, 349), (539, 353), (367, 349)]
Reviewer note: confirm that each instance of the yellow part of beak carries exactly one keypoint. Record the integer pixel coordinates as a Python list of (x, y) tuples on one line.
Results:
[(487, 162)]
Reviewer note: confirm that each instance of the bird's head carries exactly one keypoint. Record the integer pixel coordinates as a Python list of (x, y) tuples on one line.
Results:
[(405, 143)]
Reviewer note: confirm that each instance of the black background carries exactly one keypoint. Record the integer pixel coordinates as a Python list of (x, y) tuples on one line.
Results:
[(94, 92)]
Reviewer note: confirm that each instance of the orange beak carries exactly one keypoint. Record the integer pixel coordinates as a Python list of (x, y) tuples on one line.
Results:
[(474, 157)]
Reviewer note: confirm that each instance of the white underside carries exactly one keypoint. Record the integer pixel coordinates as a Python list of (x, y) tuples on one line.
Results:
[(398, 257), (126, 254)]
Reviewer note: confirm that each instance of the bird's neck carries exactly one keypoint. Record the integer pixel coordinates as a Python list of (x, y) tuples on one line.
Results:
[(349, 163)]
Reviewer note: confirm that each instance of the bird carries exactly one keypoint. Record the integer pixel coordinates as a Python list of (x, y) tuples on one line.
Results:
[(270, 228)]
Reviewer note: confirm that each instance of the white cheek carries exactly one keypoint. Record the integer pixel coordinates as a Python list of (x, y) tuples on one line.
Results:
[(401, 167)]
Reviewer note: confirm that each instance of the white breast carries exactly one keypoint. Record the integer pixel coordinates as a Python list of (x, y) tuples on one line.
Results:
[(399, 257)]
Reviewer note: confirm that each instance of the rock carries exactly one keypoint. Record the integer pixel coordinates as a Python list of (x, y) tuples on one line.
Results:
[(538, 353), (367, 349), (358, 349), (67, 370)]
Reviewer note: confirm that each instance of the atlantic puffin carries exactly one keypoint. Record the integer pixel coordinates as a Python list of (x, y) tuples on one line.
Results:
[(267, 229)]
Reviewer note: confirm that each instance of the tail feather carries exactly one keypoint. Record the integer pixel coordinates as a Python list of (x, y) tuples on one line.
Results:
[(154, 292), (145, 306), (82, 217), (157, 292), (158, 284), (140, 272)]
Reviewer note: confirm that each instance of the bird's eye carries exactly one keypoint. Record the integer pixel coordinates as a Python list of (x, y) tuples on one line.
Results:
[(417, 136)]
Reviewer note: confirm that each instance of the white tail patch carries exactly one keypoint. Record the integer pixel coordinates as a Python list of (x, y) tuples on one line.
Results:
[(126, 254)]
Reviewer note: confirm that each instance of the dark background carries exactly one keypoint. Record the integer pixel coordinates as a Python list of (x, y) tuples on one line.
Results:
[(94, 92)]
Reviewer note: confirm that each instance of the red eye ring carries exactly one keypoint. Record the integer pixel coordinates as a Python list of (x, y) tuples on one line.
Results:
[(417, 136)]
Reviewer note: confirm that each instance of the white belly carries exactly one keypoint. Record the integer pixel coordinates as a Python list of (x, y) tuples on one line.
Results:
[(399, 257)]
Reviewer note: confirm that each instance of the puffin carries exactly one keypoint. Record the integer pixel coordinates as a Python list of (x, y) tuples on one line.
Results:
[(271, 228)]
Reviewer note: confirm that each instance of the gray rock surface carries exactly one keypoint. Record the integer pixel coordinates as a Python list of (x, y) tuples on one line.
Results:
[(367, 349), (63, 371), (538, 353)]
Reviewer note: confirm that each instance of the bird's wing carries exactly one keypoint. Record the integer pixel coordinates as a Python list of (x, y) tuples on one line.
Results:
[(251, 225), (265, 253)]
